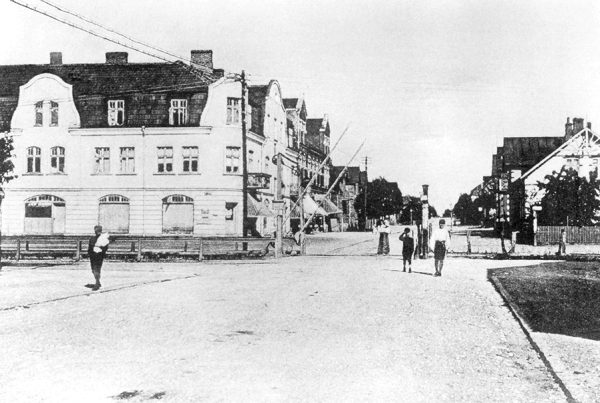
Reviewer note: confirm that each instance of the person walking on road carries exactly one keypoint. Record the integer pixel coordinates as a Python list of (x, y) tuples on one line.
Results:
[(383, 228), (562, 244), (408, 249), (441, 241), (97, 248)]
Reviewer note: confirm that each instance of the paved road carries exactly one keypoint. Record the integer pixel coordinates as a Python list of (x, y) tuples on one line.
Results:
[(303, 329)]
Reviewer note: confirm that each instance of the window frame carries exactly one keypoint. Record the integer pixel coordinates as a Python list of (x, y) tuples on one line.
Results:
[(230, 158), (54, 113), (57, 159), (102, 160), (34, 160), (127, 160), (191, 156), (234, 111), (39, 114), (163, 160), (112, 115), (179, 108)]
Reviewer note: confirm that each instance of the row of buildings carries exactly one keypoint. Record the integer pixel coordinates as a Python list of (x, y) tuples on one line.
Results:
[(521, 163), (156, 148)]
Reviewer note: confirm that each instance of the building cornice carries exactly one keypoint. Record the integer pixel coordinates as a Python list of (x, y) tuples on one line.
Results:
[(146, 131)]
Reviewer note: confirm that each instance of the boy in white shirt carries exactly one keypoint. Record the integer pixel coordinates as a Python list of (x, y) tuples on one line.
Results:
[(441, 241)]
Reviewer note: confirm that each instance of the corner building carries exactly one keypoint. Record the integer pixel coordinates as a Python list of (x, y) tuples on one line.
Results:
[(125, 145)]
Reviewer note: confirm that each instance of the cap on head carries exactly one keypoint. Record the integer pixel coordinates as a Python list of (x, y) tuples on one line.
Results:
[(407, 229), (98, 228), (442, 221)]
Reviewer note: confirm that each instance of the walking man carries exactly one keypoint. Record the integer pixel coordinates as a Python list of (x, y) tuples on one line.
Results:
[(96, 251), (441, 240), (408, 249)]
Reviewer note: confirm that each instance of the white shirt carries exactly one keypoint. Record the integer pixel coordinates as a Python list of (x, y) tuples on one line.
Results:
[(442, 235)]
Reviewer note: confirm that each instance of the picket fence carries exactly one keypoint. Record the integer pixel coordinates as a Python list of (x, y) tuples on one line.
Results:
[(548, 235)]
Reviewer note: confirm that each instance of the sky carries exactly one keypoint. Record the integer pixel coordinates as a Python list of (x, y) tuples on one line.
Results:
[(432, 86)]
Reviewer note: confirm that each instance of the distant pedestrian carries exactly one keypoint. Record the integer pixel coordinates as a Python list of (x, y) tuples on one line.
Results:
[(384, 230), (408, 249), (441, 241), (562, 244), (97, 248)]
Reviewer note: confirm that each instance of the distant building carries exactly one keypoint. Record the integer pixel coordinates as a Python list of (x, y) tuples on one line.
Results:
[(348, 188)]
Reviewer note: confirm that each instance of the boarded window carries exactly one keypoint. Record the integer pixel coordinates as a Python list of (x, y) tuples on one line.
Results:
[(113, 214), (178, 215)]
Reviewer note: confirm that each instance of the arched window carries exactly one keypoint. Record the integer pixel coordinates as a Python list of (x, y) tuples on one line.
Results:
[(34, 160), (113, 214), (57, 159), (45, 214), (178, 214)]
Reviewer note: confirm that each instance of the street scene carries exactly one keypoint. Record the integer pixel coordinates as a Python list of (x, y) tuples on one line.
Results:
[(299, 201)]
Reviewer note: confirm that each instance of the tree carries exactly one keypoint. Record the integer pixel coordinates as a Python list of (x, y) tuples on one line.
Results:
[(413, 210), (569, 197), (447, 213), (383, 199), (467, 210), (6, 165)]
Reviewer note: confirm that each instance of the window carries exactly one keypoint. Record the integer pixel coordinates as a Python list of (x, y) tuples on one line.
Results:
[(57, 159), (102, 160), (232, 160), (34, 160), (116, 112), (233, 111), (127, 160), (190, 159), (113, 213), (53, 113), (178, 112), (165, 159), (39, 113), (251, 167), (178, 214)]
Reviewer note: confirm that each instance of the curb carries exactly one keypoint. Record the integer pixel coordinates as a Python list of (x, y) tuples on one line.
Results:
[(528, 331)]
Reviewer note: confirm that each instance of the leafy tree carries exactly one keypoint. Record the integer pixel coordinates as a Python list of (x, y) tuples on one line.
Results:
[(383, 199), (447, 213), (6, 165), (568, 196), (432, 211), (467, 210), (413, 208)]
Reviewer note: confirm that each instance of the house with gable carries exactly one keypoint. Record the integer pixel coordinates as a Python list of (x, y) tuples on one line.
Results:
[(580, 151)]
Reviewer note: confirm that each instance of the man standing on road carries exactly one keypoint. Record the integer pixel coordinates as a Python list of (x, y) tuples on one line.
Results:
[(562, 244), (96, 251), (441, 240), (408, 249)]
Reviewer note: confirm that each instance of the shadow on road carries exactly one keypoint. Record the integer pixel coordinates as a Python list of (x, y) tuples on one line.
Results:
[(555, 297)]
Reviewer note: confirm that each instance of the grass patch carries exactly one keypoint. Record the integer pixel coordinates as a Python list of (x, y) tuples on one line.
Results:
[(556, 297)]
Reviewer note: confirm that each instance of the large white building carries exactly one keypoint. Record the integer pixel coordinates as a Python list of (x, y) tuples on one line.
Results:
[(144, 148)]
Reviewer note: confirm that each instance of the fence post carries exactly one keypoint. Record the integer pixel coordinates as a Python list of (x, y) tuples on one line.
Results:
[(200, 251), (468, 242), (185, 246), (18, 255), (139, 250), (78, 252)]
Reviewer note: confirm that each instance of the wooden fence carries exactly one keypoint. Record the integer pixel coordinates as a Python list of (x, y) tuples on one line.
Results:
[(140, 248), (577, 235)]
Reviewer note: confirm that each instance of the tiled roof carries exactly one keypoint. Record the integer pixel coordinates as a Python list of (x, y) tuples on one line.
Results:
[(104, 78), (313, 125), (290, 103), (256, 99), (524, 152), (146, 88)]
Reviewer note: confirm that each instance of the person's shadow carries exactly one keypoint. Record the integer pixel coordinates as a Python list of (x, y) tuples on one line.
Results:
[(422, 272)]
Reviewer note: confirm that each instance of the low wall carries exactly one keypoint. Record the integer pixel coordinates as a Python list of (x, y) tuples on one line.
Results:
[(549, 235)]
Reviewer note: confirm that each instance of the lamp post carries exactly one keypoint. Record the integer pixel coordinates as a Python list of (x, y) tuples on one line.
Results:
[(425, 222)]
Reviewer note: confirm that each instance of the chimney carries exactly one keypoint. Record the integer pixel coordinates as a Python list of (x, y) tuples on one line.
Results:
[(568, 129), (55, 58), (577, 125), (202, 58), (589, 125), (116, 57)]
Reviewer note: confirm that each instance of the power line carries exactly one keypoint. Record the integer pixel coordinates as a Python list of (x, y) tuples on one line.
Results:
[(90, 21)]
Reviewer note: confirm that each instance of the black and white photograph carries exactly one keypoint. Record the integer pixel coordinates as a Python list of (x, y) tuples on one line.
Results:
[(300, 201)]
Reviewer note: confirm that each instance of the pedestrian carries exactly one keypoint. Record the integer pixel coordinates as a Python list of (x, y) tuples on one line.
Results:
[(562, 244), (408, 249), (383, 228), (441, 241), (97, 248)]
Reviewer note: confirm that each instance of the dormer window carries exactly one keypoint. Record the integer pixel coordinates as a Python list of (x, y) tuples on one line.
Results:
[(178, 112), (116, 112), (39, 113), (233, 111), (44, 107)]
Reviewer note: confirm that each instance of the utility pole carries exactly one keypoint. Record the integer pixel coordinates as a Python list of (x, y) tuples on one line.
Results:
[(244, 162), (425, 222), (366, 187), (279, 233)]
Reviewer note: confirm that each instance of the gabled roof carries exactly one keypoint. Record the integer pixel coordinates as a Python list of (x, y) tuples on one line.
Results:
[(314, 125), (584, 132), (525, 152)]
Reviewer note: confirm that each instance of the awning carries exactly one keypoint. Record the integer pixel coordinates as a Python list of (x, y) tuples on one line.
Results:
[(257, 209), (310, 207), (328, 205)]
